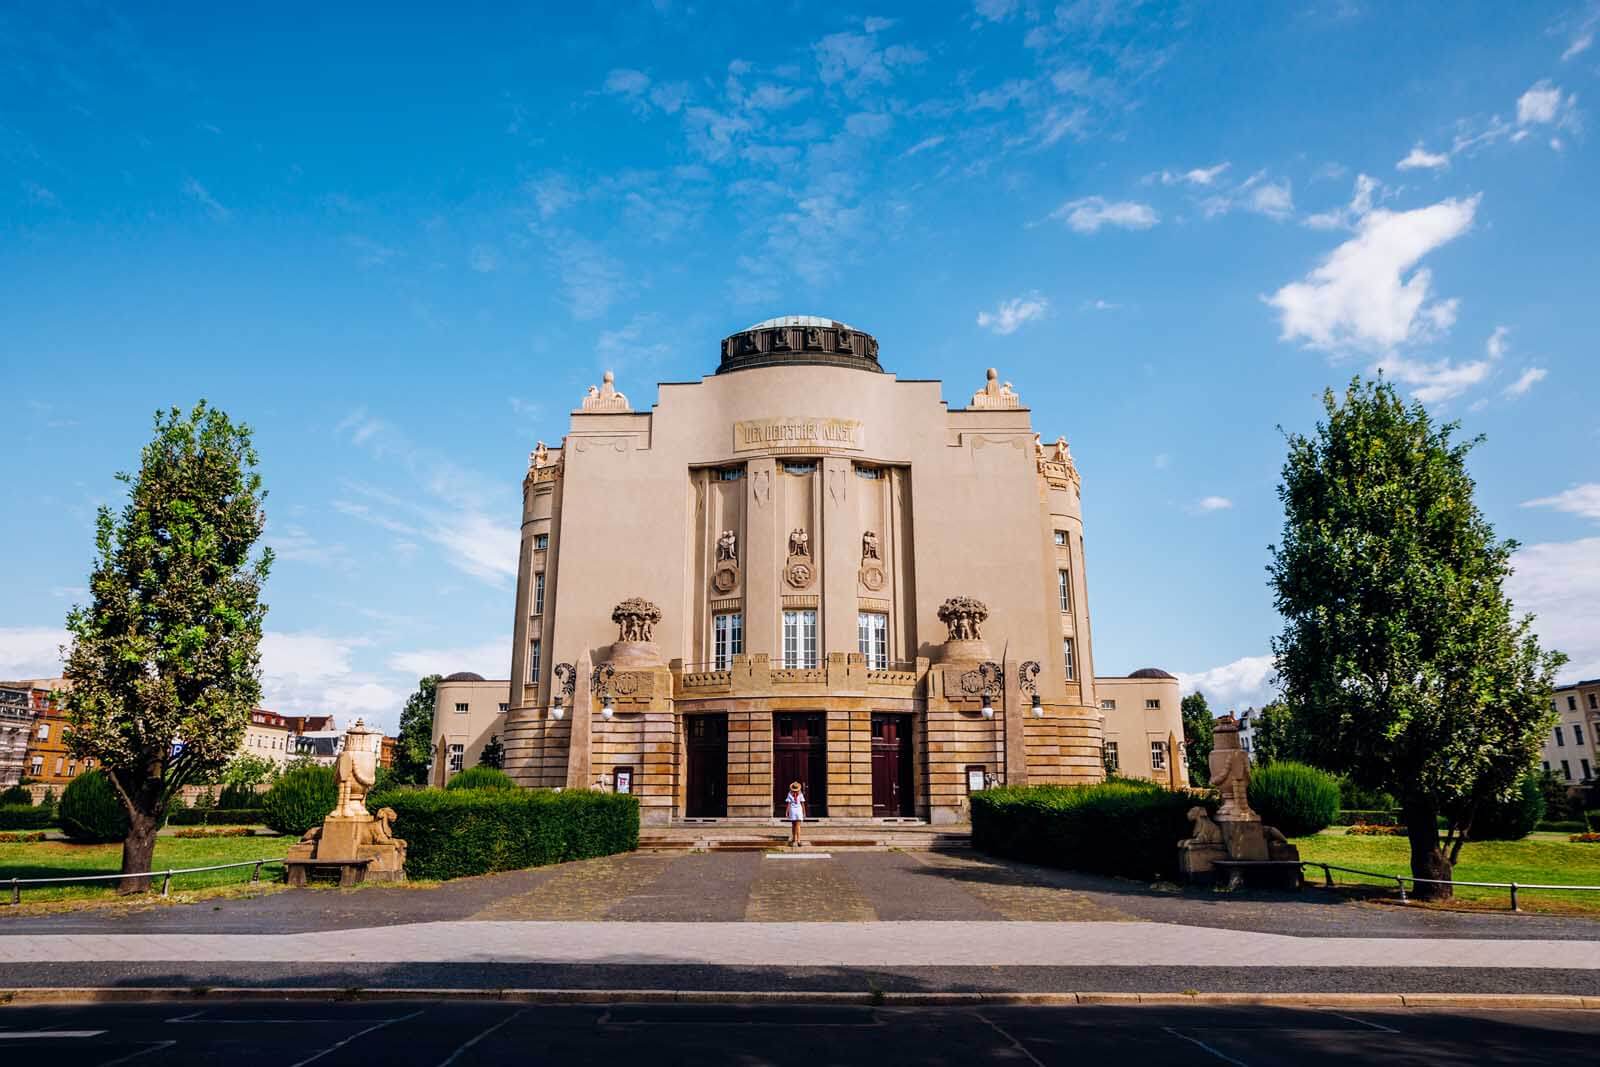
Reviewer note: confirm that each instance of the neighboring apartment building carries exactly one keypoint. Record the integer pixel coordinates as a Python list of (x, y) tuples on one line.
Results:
[(16, 726), (323, 746), (48, 761), (267, 736), (1570, 749), (467, 712), (1143, 726)]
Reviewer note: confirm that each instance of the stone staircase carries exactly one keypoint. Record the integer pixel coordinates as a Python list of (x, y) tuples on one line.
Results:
[(908, 835)]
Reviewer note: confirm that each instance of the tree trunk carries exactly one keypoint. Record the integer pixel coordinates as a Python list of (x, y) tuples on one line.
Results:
[(1427, 857), (137, 850)]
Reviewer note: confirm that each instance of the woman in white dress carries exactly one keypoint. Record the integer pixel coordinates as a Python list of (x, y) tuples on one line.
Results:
[(796, 804)]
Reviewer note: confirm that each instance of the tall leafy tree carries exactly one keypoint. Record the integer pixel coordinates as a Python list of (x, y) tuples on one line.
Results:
[(414, 748), (165, 659), (1197, 738), (494, 754), (1278, 735), (1400, 655)]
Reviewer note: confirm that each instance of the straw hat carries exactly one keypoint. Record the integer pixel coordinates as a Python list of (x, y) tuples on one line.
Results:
[(794, 787)]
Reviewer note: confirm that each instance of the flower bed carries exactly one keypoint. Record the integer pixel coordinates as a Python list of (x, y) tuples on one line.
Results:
[(1370, 830)]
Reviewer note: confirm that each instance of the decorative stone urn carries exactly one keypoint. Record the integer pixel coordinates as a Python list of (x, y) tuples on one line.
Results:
[(963, 615), (636, 618), (352, 839)]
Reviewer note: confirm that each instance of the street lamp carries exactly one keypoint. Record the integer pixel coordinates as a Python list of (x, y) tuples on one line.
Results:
[(566, 677), (992, 677), (1028, 682), (600, 685), (557, 712), (606, 708)]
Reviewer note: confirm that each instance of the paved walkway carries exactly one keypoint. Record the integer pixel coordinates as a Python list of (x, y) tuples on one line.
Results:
[(907, 944)]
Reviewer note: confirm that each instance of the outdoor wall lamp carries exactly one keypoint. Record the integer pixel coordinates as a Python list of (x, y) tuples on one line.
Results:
[(606, 708), (600, 685), (557, 712), (1028, 682), (566, 676), (1038, 709), (993, 676)]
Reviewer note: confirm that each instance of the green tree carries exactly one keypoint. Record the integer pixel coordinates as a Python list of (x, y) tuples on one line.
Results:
[(1197, 741), (164, 665), (1399, 654), (1277, 735), (413, 749), (493, 754)]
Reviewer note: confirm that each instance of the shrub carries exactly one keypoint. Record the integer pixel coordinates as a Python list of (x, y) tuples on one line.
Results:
[(1353, 797), (1561, 826), (1355, 816), (1296, 798), (451, 833), (299, 800), (38, 835), (25, 817), (17, 795), (1369, 830), (216, 817), (481, 777), (239, 796), (1512, 818), (1122, 828), (91, 810), (227, 831)]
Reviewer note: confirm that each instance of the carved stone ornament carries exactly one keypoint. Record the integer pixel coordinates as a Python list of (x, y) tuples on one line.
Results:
[(799, 543), (605, 397), (972, 683), (869, 545), (625, 684), (995, 393), (872, 575), (1055, 464), (963, 615), (799, 573), (636, 619), (725, 578), (761, 487), (728, 546), (1230, 772)]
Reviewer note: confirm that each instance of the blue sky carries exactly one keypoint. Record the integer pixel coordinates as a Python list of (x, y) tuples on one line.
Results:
[(401, 245)]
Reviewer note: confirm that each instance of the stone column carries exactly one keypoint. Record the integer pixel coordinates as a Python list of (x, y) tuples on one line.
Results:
[(581, 718)]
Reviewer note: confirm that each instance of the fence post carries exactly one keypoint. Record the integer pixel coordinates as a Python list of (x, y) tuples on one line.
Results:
[(166, 882), (16, 892), (1514, 897), (255, 875), (1327, 875), (1401, 882)]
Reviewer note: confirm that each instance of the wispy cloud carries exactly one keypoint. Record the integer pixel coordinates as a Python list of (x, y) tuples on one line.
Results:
[(202, 196), (1250, 680), (1419, 158), (1581, 500), (1560, 583), (1009, 316), (31, 652), (1088, 214), (1213, 503), (1525, 381)]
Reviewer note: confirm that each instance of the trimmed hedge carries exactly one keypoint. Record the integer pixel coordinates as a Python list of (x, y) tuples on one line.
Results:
[(452, 833), (1296, 798), (26, 817), (1510, 819), (91, 810), (481, 777), (299, 800), (1562, 826), (1122, 828), (216, 816), (15, 794)]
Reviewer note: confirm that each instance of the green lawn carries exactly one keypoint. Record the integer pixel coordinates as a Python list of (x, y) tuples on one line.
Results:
[(1549, 860), (54, 859)]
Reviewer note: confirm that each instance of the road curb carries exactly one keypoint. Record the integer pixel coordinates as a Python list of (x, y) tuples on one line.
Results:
[(152, 994)]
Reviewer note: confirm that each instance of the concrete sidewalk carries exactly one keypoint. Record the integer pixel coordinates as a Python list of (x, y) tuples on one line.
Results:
[(809, 944)]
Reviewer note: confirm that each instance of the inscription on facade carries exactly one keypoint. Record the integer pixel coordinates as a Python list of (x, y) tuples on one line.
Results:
[(791, 431)]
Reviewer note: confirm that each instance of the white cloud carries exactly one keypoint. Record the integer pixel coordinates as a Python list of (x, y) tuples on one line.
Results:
[(552, 194), (1420, 158), (1437, 380), (1366, 188), (1527, 380), (1540, 104), (626, 82), (1011, 314), (1360, 295), (1203, 176), (1088, 214), (1560, 583), (31, 652), (492, 659), (925, 144), (1272, 199), (202, 196), (1496, 344), (1244, 682), (1214, 503), (310, 673), (1578, 46), (1583, 500), (854, 62), (995, 10)]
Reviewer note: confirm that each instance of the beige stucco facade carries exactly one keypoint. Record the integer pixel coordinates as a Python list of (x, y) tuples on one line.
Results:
[(1570, 748), (467, 712), (828, 568), (1144, 726)]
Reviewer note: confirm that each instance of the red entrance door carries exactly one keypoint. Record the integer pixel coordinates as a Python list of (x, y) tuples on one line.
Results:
[(800, 754), (706, 777), (891, 766)]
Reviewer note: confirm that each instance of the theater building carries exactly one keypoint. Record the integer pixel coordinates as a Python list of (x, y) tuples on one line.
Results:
[(803, 568)]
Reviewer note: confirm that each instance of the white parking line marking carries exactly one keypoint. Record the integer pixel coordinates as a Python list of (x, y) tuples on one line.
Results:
[(359, 1033), (1364, 1022), (456, 1055), (1018, 1045), (27, 1035), (1208, 1048), (154, 1046)]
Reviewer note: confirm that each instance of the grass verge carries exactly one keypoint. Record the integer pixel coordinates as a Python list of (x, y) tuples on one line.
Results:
[(58, 859)]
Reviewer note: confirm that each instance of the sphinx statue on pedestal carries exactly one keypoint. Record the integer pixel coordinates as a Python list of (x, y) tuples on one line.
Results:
[(352, 839)]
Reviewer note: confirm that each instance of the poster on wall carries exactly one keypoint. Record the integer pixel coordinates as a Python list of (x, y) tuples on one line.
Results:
[(624, 779), (974, 779)]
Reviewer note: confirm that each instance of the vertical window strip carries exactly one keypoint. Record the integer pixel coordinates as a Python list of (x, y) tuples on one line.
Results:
[(533, 662), (538, 593), (1067, 659)]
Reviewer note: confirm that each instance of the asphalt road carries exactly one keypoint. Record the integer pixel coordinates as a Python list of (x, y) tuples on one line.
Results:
[(411, 1032)]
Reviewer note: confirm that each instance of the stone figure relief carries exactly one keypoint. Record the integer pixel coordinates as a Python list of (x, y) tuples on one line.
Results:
[(872, 575), (869, 545), (541, 454), (963, 616), (1062, 454), (1038, 448), (780, 339), (725, 575), (813, 337), (1230, 772), (728, 546), (1206, 832), (636, 618), (799, 542), (844, 341)]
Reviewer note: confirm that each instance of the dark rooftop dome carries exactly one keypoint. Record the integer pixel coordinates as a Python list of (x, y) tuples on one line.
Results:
[(1151, 672), (799, 339), (463, 676)]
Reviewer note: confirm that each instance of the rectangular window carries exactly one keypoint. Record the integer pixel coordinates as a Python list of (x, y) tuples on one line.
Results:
[(1068, 661), (1585, 765), (38, 765), (1577, 734), (1158, 755), (1108, 705), (458, 758), (62, 759), (1064, 590), (533, 662), (1111, 756), (797, 467), (1152, 705), (538, 593), (1547, 765), (727, 638), (72, 769), (1572, 703), (872, 639), (44, 731), (1593, 703), (541, 542), (728, 474), (461, 709), (1561, 738), (1566, 770), (1061, 537), (504, 708), (869, 473), (799, 639)]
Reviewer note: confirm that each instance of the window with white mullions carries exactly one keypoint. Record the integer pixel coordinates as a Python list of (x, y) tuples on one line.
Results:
[(872, 639), (538, 593), (727, 638), (1158, 755), (799, 639), (1068, 659), (1064, 591)]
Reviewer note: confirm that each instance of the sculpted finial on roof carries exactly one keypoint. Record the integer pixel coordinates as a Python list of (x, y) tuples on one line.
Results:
[(605, 397), (995, 393)]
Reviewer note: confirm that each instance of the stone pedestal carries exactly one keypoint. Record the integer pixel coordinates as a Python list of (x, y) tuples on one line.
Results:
[(1244, 840), (1196, 860)]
